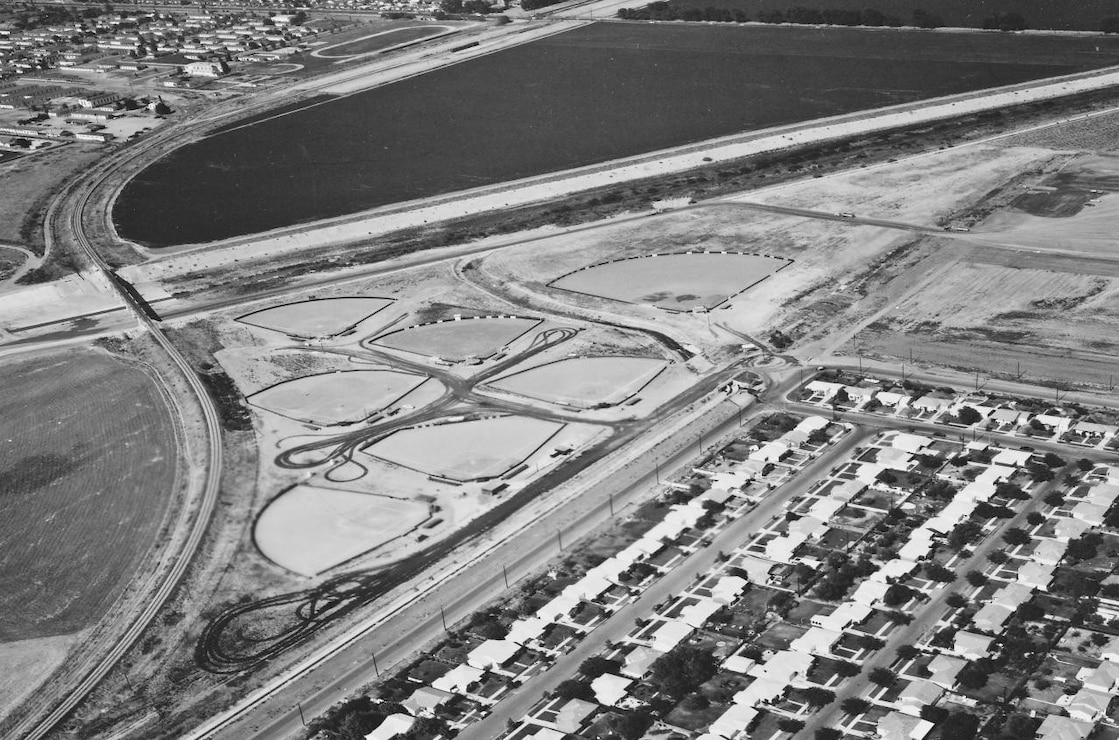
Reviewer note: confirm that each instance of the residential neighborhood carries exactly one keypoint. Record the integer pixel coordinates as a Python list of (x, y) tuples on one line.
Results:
[(918, 584)]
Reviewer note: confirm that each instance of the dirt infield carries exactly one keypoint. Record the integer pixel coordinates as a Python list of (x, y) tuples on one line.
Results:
[(309, 529), (469, 450), (677, 282), (477, 337), (316, 318), (338, 397), (584, 381)]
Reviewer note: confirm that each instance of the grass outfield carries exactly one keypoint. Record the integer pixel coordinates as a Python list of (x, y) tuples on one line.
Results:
[(338, 397), (589, 95), (87, 470), (1058, 15)]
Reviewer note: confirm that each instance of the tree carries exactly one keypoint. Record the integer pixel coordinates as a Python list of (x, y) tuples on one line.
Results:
[(596, 665), (908, 652), (574, 689), (883, 676), (1035, 518), (682, 670), (960, 726), (998, 556), (631, 725), (975, 578), (936, 572), (971, 676), (869, 642), (1006, 489), (1040, 473), (956, 600), (854, 705), (1053, 460), (969, 416), (897, 594), (818, 697), (848, 669), (1016, 536), (788, 724), (828, 733), (964, 533), (1054, 499), (934, 714), (1085, 464)]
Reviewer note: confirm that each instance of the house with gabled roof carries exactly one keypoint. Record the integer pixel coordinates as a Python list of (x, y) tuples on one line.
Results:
[(1049, 552), (1057, 727), (392, 726), (971, 645), (1036, 575), (734, 722), (1067, 528), (1103, 678), (917, 695), (1089, 706), (900, 726), (609, 689), (944, 669)]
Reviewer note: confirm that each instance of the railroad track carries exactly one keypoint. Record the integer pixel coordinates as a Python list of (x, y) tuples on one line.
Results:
[(34, 728)]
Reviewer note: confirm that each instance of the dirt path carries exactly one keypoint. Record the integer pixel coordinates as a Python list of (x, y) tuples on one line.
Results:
[(30, 262)]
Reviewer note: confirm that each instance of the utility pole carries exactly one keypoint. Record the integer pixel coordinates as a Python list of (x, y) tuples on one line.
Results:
[(505, 574), (611, 500), (559, 539), (301, 717), (376, 670), (443, 616)]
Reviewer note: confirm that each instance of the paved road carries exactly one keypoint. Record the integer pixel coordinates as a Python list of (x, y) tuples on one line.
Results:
[(518, 703)]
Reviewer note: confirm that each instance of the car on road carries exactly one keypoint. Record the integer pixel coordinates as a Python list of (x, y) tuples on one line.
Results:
[(845, 214)]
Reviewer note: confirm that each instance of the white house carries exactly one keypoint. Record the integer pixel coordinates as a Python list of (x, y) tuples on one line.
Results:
[(1089, 706), (393, 725), (944, 669), (971, 645), (899, 726), (609, 689), (1057, 727), (918, 695)]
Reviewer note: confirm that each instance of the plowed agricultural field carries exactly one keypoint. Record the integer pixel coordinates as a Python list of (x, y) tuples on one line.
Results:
[(589, 95), (87, 471)]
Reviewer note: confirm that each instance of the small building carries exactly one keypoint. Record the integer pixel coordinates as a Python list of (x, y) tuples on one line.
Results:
[(1089, 706), (205, 69), (918, 695), (393, 726), (971, 645), (899, 726), (1057, 727), (609, 689)]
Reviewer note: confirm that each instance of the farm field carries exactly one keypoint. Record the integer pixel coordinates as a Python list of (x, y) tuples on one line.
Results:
[(309, 529), (1042, 14), (656, 86), (316, 318), (458, 340), (468, 450), (338, 397), (87, 475), (678, 282), (584, 381)]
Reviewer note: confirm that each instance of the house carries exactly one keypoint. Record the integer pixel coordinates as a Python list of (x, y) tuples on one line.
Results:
[(1097, 431), (609, 689), (1056, 727), (847, 490), (894, 458), (1012, 458), (811, 424), (893, 570), (770, 452), (782, 549), (728, 588), (996, 474), (1036, 575), (757, 569), (816, 641), (696, 615), (1049, 552), (639, 661), (564, 715), (734, 722), (992, 617), (899, 726), (456, 680), (1009, 417), (761, 691), (1103, 494), (809, 526), (425, 700), (394, 725), (783, 667), (1104, 678), (1110, 651), (1067, 528), (944, 669), (492, 654), (1089, 706), (978, 491), (918, 695), (869, 593), (1052, 423), (933, 404), (893, 399), (1088, 512), (822, 390), (914, 443), (670, 634), (845, 615), (957, 510), (918, 546), (971, 645)]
